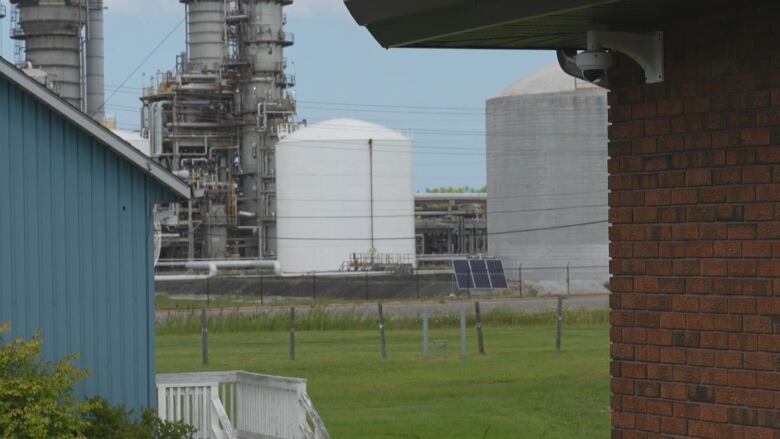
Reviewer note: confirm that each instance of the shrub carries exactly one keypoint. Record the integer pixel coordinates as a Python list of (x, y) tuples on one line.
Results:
[(37, 401), (105, 421), (36, 396)]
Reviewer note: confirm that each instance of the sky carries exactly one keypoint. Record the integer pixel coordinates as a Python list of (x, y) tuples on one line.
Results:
[(435, 96)]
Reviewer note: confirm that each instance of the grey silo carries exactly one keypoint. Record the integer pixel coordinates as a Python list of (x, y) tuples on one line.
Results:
[(547, 169)]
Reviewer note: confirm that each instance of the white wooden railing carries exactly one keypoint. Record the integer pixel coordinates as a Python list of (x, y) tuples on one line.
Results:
[(237, 405)]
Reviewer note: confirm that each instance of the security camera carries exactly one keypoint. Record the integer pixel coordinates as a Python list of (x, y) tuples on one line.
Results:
[(594, 64)]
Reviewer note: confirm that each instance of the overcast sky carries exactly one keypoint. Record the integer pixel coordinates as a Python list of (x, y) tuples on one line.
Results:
[(341, 72)]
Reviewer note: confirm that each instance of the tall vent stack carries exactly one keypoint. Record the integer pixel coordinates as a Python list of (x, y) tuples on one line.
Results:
[(96, 94), (51, 31), (54, 54)]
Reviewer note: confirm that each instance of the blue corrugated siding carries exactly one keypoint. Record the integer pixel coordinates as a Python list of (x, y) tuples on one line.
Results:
[(76, 249)]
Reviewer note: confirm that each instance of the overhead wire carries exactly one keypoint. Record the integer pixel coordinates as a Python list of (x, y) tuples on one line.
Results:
[(419, 213), (141, 64), (492, 197), (506, 232)]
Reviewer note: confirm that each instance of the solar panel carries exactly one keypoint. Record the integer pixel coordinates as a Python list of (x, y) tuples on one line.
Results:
[(463, 274), (497, 274), (480, 274)]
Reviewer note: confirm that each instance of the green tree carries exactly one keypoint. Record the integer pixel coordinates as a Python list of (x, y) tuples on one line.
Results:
[(456, 190)]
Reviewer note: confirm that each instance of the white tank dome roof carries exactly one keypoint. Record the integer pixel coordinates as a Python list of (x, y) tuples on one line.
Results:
[(134, 138), (549, 79), (345, 129)]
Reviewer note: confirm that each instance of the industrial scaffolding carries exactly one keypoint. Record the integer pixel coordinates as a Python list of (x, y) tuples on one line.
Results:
[(215, 121)]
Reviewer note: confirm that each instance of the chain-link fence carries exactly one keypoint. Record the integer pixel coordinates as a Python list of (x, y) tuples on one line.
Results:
[(524, 281)]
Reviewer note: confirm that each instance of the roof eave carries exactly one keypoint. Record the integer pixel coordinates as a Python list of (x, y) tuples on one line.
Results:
[(122, 148), (412, 26)]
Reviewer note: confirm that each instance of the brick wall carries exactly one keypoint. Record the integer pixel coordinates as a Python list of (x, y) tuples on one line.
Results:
[(695, 236)]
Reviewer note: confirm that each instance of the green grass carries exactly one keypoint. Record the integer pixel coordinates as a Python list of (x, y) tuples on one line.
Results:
[(164, 302), (521, 389)]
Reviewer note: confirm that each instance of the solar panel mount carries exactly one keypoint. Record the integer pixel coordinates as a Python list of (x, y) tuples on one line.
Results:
[(480, 274)]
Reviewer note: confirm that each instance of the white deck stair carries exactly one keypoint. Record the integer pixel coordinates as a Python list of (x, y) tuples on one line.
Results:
[(239, 405)]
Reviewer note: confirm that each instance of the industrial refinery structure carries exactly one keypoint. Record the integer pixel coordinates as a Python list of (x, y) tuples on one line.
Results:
[(60, 44), (547, 174), (450, 225), (215, 121)]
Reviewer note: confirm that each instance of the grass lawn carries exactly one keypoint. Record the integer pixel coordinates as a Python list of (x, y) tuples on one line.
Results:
[(521, 389)]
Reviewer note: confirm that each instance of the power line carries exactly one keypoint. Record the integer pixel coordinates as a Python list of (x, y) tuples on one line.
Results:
[(544, 229), (422, 213), (414, 107), (430, 150), (490, 198), (507, 232), (149, 56)]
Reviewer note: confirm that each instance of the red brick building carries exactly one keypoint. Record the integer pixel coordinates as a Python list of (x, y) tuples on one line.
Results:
[(695, 196)]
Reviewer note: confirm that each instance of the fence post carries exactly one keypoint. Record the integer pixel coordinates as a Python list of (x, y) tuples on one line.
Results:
[(480, 340), (208, 292), (568, 278), (520, 278), (463, 332), (314, 286), (366, 286), (262, 293), (382, 332), (452, 282), (425, 332), (204, 336), (417, 281), (558, 324), (292, 334)]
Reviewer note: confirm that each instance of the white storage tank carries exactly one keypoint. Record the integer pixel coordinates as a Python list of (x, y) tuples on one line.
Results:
[(343, 186), (547, 182)]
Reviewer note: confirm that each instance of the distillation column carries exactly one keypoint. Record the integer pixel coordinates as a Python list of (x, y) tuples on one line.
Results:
[(265, 106), (197, 121), (51, 31), (206, 35)]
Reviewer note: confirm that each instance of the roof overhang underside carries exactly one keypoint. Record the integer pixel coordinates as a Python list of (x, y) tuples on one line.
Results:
[(517, 24)]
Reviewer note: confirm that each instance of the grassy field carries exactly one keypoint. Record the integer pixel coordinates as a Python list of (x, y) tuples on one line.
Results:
[(521, 389)]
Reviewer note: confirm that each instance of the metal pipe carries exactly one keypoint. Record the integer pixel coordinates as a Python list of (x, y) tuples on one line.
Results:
[(371, 190), (156, 131), (213, 268), (212, 271), (96, 93)]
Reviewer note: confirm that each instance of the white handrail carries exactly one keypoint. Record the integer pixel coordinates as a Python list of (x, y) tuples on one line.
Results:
[(221, 427), (228, 405), (320, 432)]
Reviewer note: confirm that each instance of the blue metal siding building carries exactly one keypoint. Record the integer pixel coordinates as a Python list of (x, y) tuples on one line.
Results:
[(76, 239)]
